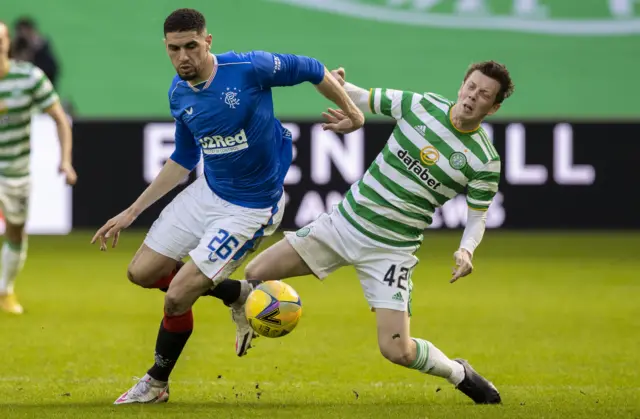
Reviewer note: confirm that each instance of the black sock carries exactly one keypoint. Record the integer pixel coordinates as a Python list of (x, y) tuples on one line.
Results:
[(228, 291), (169, 346)]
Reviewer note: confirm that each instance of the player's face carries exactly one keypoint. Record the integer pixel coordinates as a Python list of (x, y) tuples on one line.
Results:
[(477, 96), (4, 41), (188, 52)]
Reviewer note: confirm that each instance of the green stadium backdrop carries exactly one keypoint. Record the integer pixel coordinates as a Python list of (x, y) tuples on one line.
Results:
[(575, 66)]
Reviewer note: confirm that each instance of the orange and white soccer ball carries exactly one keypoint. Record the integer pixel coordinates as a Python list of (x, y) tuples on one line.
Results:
[(273, 309)]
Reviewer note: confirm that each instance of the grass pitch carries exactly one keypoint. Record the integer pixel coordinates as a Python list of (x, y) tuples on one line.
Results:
[(552, 319)]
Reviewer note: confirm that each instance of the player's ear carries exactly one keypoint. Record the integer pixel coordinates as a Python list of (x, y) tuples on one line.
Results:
[(209, 40), (494, 109)]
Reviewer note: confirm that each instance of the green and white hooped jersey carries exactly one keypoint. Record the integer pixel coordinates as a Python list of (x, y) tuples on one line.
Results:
[(425, 163), (23, 90)]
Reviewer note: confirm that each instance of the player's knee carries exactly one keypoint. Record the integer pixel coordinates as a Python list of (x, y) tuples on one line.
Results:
[(397, 352), (133, 275), (174, 304), (138, 276)]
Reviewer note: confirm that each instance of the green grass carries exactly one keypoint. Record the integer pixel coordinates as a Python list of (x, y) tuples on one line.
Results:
[(552, 319)]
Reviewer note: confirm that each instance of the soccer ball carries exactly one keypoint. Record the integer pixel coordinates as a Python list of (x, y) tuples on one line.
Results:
[(273, 309)]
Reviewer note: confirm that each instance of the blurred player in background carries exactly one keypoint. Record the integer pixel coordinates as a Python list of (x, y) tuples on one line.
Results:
[(28, 44), (23, 88), (436, 151), (223, 109)]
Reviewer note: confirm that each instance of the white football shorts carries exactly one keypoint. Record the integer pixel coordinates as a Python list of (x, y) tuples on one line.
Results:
[(14, 198), (331, 242), (215, 233)]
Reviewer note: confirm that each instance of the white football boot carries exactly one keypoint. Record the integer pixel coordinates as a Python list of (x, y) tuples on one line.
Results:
[(244, 332), (146, 390)]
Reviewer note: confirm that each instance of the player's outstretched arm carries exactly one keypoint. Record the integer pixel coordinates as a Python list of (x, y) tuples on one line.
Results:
[(273, 70), (389, 102)]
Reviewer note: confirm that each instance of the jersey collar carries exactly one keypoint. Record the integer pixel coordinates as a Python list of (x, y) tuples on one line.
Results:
[(210, 79)]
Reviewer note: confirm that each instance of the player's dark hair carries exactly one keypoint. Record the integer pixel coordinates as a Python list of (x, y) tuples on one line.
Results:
[(184, 20), (499, 73), (26, 22)]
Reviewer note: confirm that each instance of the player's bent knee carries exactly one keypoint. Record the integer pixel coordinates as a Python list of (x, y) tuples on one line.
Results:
[(147, 267), (174, 304), (138, 276), (144, 276), (133, 278)]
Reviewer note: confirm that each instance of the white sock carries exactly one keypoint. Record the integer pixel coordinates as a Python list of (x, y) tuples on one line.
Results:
[(431, 360), (13, 259)]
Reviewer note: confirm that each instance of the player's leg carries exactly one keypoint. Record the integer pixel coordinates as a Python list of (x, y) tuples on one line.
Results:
[(170, 238), (234, 293), (14, 254), (315, 249), (229, 233), (261, 269), (14, 198), (386, 281), (397, 345), (175, 329)]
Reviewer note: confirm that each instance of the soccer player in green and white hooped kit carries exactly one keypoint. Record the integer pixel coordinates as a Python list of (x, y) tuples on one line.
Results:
[(23, 89), (437, 150)]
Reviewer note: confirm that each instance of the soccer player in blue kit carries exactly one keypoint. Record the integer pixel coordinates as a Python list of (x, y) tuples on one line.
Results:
[(223, 110)]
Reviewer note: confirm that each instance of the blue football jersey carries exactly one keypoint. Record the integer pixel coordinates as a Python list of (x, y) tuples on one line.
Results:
[(229, 120)]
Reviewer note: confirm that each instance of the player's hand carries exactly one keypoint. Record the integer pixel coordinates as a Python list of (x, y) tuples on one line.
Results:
[(339, 75), (113, 227), (338, 121), (463, 265), (69, 173)]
